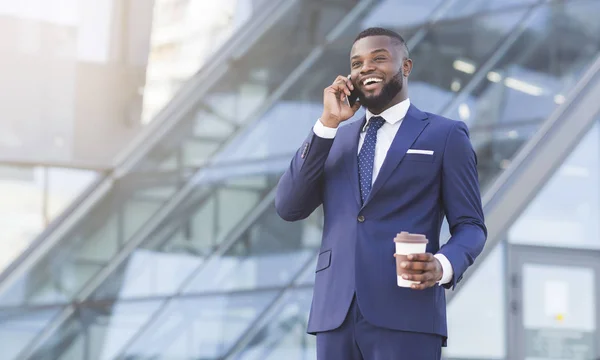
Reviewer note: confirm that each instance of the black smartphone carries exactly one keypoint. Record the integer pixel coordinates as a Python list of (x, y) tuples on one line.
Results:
[(353, 95)]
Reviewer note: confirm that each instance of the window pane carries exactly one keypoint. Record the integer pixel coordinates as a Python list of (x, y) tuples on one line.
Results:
[(566, 211), (476, 316)]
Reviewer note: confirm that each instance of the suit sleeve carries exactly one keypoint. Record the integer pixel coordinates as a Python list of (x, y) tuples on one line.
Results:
[(300, 189), (462, 203)]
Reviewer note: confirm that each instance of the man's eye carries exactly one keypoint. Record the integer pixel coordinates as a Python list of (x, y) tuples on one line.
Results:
[(379, 58), (355, 64)]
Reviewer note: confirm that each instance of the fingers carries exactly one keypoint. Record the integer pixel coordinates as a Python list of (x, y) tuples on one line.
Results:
[(421, 265), (343, 85), (422, 278), (424, 281), (421, 257), (420, 268), (423, 286), (345, 80)]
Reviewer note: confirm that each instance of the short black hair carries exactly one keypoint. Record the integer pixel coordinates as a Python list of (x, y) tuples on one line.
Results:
[(378, 31)]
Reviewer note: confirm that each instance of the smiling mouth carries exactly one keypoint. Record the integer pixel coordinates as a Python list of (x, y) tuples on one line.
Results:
[(371, 84), (371, 81)]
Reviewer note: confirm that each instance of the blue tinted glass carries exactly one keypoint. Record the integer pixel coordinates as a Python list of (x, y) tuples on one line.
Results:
[(565, 213), (282, 335)]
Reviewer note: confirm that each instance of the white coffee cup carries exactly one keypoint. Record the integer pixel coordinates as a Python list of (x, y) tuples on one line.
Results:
[(406, 244)]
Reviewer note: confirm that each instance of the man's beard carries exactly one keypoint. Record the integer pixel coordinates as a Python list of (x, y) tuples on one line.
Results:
[(388, 92)]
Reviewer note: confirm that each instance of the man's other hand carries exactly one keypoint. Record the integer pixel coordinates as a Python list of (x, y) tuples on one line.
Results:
[(424, 268)]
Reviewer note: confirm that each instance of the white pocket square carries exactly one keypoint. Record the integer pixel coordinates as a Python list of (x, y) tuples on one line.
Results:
[(424, 152)]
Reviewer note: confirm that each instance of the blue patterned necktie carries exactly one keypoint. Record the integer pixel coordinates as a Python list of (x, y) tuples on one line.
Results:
[(366, 157)]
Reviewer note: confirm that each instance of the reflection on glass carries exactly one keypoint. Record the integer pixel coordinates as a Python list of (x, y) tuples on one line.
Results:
[(19, 326), (308, 275), (526, 84), (281, 129), (283, 333), (476, 316), (138, 196), (473, 7), (390, 13), (32, 196), (199, 328), (202, 225), (239, 97), (100, 329), (270, 253), (565, 213)]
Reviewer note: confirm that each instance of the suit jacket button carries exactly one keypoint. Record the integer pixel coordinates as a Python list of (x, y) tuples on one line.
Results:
[(361, 218)]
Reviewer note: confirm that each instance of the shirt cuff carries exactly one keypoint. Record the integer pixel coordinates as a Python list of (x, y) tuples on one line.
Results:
[(447, 271), (323, 131)]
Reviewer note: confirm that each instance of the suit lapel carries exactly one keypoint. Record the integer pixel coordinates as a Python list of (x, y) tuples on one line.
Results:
[(413, 124), (350, 146)]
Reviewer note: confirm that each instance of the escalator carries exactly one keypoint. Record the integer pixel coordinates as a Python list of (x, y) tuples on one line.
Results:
[(240, 179), (208, 112)]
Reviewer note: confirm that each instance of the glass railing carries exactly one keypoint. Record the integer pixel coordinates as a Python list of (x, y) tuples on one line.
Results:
[(211, 257), (108, 201), (34, 195), (142, 194), (222, 289)]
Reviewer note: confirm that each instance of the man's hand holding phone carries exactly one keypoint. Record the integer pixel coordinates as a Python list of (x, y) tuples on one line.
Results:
[(335, 105)]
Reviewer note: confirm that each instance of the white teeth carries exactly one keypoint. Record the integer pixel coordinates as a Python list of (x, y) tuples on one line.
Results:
[(369, 80)]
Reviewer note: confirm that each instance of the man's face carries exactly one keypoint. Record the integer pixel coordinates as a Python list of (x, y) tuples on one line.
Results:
[(377, 67)]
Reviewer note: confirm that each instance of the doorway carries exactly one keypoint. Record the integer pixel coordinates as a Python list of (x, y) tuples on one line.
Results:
[(553, 297)]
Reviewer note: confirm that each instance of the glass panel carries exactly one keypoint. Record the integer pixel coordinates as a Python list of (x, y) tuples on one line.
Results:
[(64, 185), (270, 253), (260, 258), (473, 8), (181, 245), (432, 83), (20, 326), (237, 99), (188, 328), (477, 315), (525, 85), (96, 329), (565, 213), (32, 197), (112, 223), (408, 13), (282, 334), (198, 328), (21, 209), (559, 312), (308, 275)]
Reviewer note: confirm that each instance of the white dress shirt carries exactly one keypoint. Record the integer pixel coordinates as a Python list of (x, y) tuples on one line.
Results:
[(386, 134)]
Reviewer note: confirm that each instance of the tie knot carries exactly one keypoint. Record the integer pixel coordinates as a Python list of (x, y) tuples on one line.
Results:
[(376, 122)]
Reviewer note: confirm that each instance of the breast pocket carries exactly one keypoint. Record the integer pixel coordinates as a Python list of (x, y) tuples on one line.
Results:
[(419, 157)]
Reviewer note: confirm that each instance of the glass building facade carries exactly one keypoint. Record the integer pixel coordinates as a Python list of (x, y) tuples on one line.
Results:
[(181, 255)]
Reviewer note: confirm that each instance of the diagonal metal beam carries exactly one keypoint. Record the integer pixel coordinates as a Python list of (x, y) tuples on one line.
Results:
[(537, 161)]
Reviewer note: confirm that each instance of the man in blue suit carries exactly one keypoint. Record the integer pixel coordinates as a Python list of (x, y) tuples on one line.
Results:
[(396, 169)]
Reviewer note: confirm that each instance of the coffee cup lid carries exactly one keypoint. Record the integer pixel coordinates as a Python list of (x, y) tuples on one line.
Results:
[(407, 237)]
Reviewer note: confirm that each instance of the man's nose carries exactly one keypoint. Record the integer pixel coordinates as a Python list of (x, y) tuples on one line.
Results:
[(368, 66)]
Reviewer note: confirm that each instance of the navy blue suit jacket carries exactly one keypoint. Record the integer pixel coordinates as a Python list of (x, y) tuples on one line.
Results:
[(413, 192)]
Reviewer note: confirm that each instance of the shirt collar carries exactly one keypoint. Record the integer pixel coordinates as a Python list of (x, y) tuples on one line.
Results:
[(391, 115)]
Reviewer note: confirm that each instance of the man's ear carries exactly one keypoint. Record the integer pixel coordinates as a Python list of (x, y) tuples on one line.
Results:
[(406, 67)]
